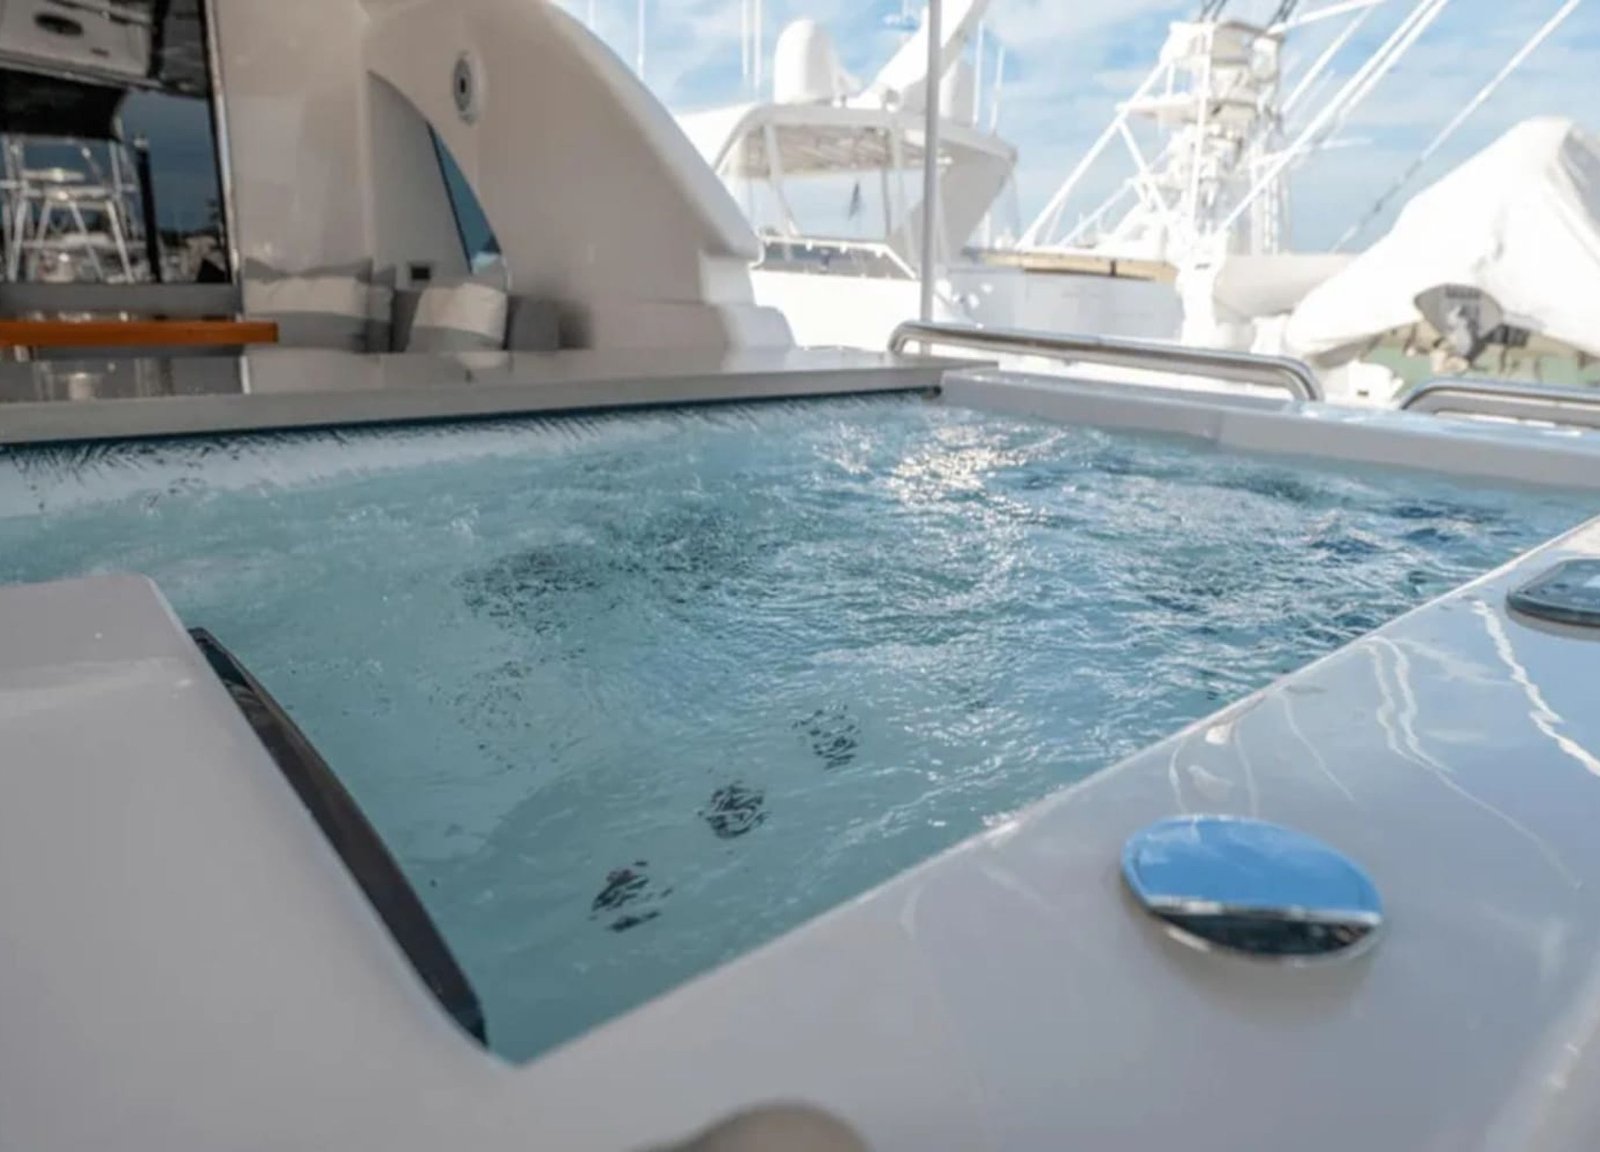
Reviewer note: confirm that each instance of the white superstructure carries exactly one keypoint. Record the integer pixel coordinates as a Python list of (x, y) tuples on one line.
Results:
[(1214, 105), (824, 136)]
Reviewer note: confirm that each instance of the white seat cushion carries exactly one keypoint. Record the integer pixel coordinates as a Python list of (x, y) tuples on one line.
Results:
[(454, 316), (318, 308)]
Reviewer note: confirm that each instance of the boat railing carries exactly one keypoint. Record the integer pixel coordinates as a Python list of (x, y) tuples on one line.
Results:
[(1505, 400), (838, 257), (834, 256), (1292, 376)]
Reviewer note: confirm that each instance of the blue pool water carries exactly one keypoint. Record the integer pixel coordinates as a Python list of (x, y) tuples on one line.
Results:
[(628, 696)]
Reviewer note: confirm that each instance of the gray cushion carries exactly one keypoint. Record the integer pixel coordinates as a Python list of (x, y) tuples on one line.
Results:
[(330, 307), (459, 314), (534, 325), (403, 315), (380, 310)]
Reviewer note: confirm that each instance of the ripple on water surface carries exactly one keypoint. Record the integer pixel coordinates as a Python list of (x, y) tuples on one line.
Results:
[(628, 696)]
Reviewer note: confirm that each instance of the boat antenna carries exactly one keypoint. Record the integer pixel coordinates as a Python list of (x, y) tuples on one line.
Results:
[(752, 35), (1449, 130)]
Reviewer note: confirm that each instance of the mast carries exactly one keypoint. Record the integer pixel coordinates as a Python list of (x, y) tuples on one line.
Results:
[(930, 159), (1350, 96), (1216, 178)]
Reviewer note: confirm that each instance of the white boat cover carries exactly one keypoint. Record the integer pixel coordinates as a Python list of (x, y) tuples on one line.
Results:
[(1519, 221), (1272, 284)]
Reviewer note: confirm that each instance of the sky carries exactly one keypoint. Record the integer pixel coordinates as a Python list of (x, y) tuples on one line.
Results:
[(1069, 62)]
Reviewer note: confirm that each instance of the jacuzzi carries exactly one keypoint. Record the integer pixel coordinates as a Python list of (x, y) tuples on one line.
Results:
[(769, 740)]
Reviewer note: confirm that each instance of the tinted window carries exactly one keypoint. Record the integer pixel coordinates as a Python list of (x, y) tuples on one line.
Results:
[(477, 237)]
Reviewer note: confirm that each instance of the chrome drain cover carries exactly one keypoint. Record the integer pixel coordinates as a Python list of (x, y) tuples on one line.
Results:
[(1569, 593), (1247, 886)]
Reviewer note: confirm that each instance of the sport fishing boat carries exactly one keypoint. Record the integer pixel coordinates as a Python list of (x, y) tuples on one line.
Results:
[(1211, 140), (1192, 244), (820, 139), (469, 681)]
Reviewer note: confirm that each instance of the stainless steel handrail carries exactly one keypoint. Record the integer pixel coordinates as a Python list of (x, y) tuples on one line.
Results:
[(1506, 399), (1293, 376)]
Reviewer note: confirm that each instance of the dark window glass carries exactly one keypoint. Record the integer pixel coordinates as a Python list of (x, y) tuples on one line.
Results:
[(477, 237), (108, 157)]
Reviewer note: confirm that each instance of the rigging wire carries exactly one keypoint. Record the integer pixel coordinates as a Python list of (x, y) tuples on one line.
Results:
[(1544, 33)]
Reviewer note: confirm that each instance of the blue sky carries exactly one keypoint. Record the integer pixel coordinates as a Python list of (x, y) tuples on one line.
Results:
[(1070, 61)]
